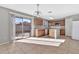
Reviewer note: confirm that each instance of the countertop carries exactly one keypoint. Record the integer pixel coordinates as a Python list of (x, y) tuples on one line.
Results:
[(56, 27), (51, 27)]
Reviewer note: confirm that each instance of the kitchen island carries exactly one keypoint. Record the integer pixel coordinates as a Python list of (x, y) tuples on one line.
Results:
[(54, 32)]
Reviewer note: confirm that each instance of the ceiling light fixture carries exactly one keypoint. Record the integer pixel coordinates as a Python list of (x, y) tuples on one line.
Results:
[(37, 13)]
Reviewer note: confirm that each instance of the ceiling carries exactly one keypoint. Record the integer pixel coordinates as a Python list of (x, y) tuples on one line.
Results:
[(58, 10)]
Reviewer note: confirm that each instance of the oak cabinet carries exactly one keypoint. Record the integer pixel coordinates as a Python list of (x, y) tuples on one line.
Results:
[(62, 31), (38, 21), (39, 32), (62, 22), (54, 22), (51, 23)]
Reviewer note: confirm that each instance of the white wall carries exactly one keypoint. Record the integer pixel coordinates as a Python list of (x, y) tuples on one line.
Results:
[(68, 24), (4, 26)]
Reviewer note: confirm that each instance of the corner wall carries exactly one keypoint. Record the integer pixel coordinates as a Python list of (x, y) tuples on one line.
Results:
[(68, 24), (4, 26)]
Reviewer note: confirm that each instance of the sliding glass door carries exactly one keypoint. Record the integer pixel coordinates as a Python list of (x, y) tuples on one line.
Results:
[(22, 27), (18, 27), (26, 25)]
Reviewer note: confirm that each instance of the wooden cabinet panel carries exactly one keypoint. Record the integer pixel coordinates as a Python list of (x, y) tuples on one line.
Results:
[(38, 21), (54, 22), (62, 22), (62, 31), (40, 32), (51, 23)]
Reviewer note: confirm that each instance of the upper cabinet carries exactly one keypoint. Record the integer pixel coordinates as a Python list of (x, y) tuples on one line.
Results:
[(38, 21), (56, 22), (51, 23), (62, 22)]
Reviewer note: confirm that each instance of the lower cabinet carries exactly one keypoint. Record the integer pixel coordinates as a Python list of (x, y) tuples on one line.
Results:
[(39, 32), (43, 32), (62, 31)]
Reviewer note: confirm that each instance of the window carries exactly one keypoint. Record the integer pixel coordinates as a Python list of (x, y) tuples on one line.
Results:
[(23, 26)]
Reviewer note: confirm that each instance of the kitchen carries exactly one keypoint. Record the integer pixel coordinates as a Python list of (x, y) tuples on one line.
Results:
[(53, 28)]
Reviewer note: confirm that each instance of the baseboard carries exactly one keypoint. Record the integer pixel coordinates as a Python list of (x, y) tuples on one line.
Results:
[(6, 43)]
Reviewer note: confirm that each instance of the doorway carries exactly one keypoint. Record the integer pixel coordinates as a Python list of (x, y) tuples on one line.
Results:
[(22, 27)]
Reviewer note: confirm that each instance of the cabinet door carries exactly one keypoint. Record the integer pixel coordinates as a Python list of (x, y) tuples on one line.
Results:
[(38, 21), (62, 31), (51, 23), (40, 32), (62, 22)]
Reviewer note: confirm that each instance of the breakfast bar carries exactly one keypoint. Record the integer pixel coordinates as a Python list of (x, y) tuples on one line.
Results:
[(54, 33)]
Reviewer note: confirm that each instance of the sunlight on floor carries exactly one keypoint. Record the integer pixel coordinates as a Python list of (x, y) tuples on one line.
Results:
[(43, 41)]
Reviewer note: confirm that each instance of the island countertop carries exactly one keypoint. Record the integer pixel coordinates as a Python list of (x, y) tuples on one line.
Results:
[(56, 27)]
